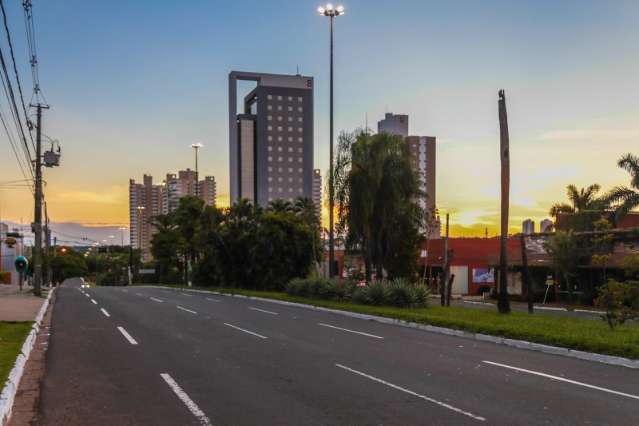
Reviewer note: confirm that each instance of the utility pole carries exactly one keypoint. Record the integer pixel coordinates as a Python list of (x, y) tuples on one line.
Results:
[(503, 304), (47, 243), (444, 281), (37, 221)]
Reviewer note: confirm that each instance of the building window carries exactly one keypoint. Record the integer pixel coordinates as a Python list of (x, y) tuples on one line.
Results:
[(300, 140), (299, 99), (279, 118), (279, 179), (269, 107), (299, 170), (270, 189), (290, 170), (269, 118), (270, 148), (299, 190), (269, 128), (270, 158), (279, 189), (279, 98), (279, 128), (279, 159), (270, 169), (299, 129), (279, 169), (290, 118), (279, 138), (299, 119), (299, 150), (290, 179), (300, 109), (290, 149), (290, 129), (270, 179), (270, 138), (290, 98), (290, 159), (290, 108), (290, 138), (279, 107), (299, 159), (269, 97), (279, 148)]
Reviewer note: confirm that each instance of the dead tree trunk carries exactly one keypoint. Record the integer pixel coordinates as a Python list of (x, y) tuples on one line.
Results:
[(503, 304)]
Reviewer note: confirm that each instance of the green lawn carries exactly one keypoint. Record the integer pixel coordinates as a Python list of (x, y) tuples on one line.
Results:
[(570, 332), (12, 336)]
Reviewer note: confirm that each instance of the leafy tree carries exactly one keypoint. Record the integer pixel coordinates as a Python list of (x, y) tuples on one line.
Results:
[(68, 263), (166, 245), (630, 265), (564, 251), (624, 198), (307, 211), (620, 300), (377, 192)]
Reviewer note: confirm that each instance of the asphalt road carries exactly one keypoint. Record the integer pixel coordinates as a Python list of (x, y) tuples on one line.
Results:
[(151, 356)]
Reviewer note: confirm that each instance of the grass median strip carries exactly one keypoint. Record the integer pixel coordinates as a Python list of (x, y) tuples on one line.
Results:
[(12, 336), (568, 332)]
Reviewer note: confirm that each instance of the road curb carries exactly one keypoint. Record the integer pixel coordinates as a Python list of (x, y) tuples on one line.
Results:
[(10, 388), (519, 344)]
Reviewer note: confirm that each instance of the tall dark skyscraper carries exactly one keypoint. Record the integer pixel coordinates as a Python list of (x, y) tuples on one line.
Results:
[(271, 141)]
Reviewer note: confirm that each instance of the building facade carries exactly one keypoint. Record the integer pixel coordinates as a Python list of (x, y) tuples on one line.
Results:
[(271, 141), (546, 225), (394, 124), (147, 200)]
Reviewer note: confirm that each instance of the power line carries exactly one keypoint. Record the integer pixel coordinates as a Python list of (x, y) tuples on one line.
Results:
[(29, 24), (15, 71)]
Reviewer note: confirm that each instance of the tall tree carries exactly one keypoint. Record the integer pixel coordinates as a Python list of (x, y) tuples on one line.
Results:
[(280, 206), (584, 208), (624, 198), (377, 193)]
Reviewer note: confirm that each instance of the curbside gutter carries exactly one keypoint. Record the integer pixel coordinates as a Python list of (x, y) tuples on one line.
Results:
[(10, 388), (519, 344)]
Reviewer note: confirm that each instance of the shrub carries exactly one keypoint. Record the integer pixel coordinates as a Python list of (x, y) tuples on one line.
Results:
[(298, 287), (400, 293), (620, 300)]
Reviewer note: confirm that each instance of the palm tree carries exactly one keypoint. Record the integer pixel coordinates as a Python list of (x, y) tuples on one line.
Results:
[(307, 211), (280, 206), (623, 198), (581, 201)]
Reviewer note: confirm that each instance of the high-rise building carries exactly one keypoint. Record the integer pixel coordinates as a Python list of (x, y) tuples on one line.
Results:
[(145, 202), (317, 190), (545, 225), (528, 226), (208, 190), (394, 124), (424, 152), (271, 141)]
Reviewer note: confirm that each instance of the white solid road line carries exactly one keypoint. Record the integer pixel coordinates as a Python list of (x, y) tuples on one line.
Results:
[(106, 314), (212, 300), (139, 294), (94, 302), (192, 406), (155, 299), (262, 310), (350, 331), (187, 310), (410, 392), (245, 331), (127, 336), (561, 379), (185, 294)]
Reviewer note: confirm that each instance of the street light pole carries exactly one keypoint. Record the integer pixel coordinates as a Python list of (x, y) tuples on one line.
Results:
[(331, 12), (196, 146)]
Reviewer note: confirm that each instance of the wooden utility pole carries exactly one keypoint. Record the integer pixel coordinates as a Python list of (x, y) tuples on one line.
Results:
[(37, 220), (503, 304)]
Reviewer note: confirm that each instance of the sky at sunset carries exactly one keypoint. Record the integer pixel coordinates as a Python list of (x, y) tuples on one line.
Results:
[(133, 83)]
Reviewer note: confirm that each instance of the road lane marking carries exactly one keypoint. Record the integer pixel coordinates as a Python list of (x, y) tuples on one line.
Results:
[(192, 406), (350, 331), (561, 379), (245, 331), (212, 300), (139, 294), (184, 294), (410, 392), (106, 314), (263, 310), (87, 294), (155, 299), (187, 310), (127, 336), (94, 302)]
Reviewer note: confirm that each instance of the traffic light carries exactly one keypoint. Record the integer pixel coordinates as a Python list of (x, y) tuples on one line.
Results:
[(22, 264)]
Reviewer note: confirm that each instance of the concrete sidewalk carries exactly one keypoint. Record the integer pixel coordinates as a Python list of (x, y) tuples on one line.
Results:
[(16, 305)]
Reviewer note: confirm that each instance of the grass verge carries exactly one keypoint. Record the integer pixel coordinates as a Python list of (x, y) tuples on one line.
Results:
[(12, 336), (569, 332)]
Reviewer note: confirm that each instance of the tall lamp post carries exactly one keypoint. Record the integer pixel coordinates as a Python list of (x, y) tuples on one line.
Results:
[(196, 146), (331, 12), (122, 229)]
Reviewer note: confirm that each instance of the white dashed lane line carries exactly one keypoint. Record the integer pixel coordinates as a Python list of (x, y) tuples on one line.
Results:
[(245, 331), (192, 406), (186, 310), (106, 314), (561, 379), (155, 299), (415, 394), (127, 336), (94, 302), (263, 310), (350, 331)]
